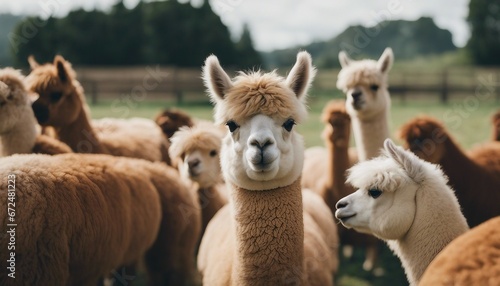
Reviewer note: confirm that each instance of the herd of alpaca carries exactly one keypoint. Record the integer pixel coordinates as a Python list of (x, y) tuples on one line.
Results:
[(240, 199)]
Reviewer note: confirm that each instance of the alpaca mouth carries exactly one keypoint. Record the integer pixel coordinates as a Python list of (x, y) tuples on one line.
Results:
[(344, 217), (358, 104)]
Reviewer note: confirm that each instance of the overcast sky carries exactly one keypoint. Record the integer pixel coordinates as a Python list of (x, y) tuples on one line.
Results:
[(284, 23)]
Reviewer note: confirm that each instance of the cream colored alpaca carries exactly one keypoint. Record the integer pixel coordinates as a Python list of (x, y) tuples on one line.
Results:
[(406, 202), (271, 233), (196, 152), (365, 85), (471, 259), (19, 132)]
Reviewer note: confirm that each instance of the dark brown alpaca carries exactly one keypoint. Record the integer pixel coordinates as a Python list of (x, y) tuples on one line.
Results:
[(170, 120), (475, 176), (62, 105), (331, 183), (496, 126)]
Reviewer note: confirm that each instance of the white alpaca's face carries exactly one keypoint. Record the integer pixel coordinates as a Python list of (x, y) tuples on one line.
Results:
[(202, 166), (262, 150), (366, 100), (14, 105)]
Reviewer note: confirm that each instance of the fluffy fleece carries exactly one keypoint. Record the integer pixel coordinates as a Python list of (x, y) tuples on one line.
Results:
[(406, 202), (271, 233), (368, 101), (474, 176), (496, 126), (81, 216), (62, 104), (196, 152), (471, 259), (19, 132), (170, 120)]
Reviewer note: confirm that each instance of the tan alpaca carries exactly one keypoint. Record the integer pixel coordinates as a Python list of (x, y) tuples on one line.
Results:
[(170, 120), (271, 233), (471, 259), (496, 126), (19, 132), (197, 151), (406, 202), (62, 105), (368, 102)]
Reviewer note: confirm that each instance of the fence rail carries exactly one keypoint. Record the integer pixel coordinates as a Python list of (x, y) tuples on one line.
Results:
[(181, 85)]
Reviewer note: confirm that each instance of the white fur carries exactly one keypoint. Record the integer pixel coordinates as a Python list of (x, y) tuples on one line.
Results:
[(417, 212)]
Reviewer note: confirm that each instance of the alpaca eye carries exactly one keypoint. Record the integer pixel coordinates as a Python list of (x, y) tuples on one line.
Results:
[(288, 125), (232, 126), (213, 153), (374, 193), (55, 96), (374, 87)]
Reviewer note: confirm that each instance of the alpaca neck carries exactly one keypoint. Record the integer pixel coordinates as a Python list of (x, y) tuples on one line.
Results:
[(80, 136), (21, 138), (269, 233), (370, 134), (430, 232), (338, 159)]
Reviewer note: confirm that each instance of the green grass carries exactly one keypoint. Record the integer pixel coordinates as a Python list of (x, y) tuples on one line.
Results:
[(468, 121)]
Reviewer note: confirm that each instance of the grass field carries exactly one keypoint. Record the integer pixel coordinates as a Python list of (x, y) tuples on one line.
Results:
[(467, 118)]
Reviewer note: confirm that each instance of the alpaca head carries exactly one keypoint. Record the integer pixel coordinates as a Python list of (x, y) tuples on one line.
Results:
[(365, 84), (425, 136), (262, 150), (337, 124), (14, 99), (60, 95), (170, 120), (385, 203), (197, 150)]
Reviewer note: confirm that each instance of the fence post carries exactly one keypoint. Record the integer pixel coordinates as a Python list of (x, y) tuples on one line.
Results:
[(93, 92), (177, 91), (444, 89)]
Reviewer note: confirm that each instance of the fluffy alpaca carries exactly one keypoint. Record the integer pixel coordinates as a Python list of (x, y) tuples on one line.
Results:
[(496, 126), (471, 259), (271, 233), (81, 216), (170, 120), (329, 175), (365, 85), (197, 151), (474, 176), (406, 202), (62, 105), (18, 128)]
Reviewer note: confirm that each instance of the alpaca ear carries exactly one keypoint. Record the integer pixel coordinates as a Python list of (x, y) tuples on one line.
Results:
[(33, 63), (344, 59), (385, 62), (302, 74), (407, 160), (215, 78), (62, 71)]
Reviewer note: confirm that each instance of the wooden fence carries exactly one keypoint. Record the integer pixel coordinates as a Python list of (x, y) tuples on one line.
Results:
[(185, 85)]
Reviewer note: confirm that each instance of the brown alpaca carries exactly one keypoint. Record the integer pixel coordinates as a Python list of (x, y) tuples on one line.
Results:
[(80, 216), (62, 105), (170, 120), (496, 126), (19, 132), (474, 176), (331, 175), (471, 259)]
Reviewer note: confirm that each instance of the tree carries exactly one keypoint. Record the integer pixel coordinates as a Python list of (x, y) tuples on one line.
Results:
[(249, 57), (484, 20)]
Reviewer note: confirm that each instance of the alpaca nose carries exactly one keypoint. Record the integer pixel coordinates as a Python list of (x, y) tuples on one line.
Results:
[(262, 143), (341, 204), (356, 95), (193, 163)]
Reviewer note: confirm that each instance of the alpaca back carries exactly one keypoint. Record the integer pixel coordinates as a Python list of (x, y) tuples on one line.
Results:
[(50, 146), (80, 216)]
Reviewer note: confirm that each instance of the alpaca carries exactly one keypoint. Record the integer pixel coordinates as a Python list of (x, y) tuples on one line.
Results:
[(197, 149), (19, 132), (496, 126), (170, 120), (62, 105), (270, 233), (79, 216), (474, 176), (330, 184), (365, 85), (406, 202), (471, 259)]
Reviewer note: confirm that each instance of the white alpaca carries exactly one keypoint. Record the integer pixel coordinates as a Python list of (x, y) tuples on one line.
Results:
[(271, 233), (365, 85), (406, 202)]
